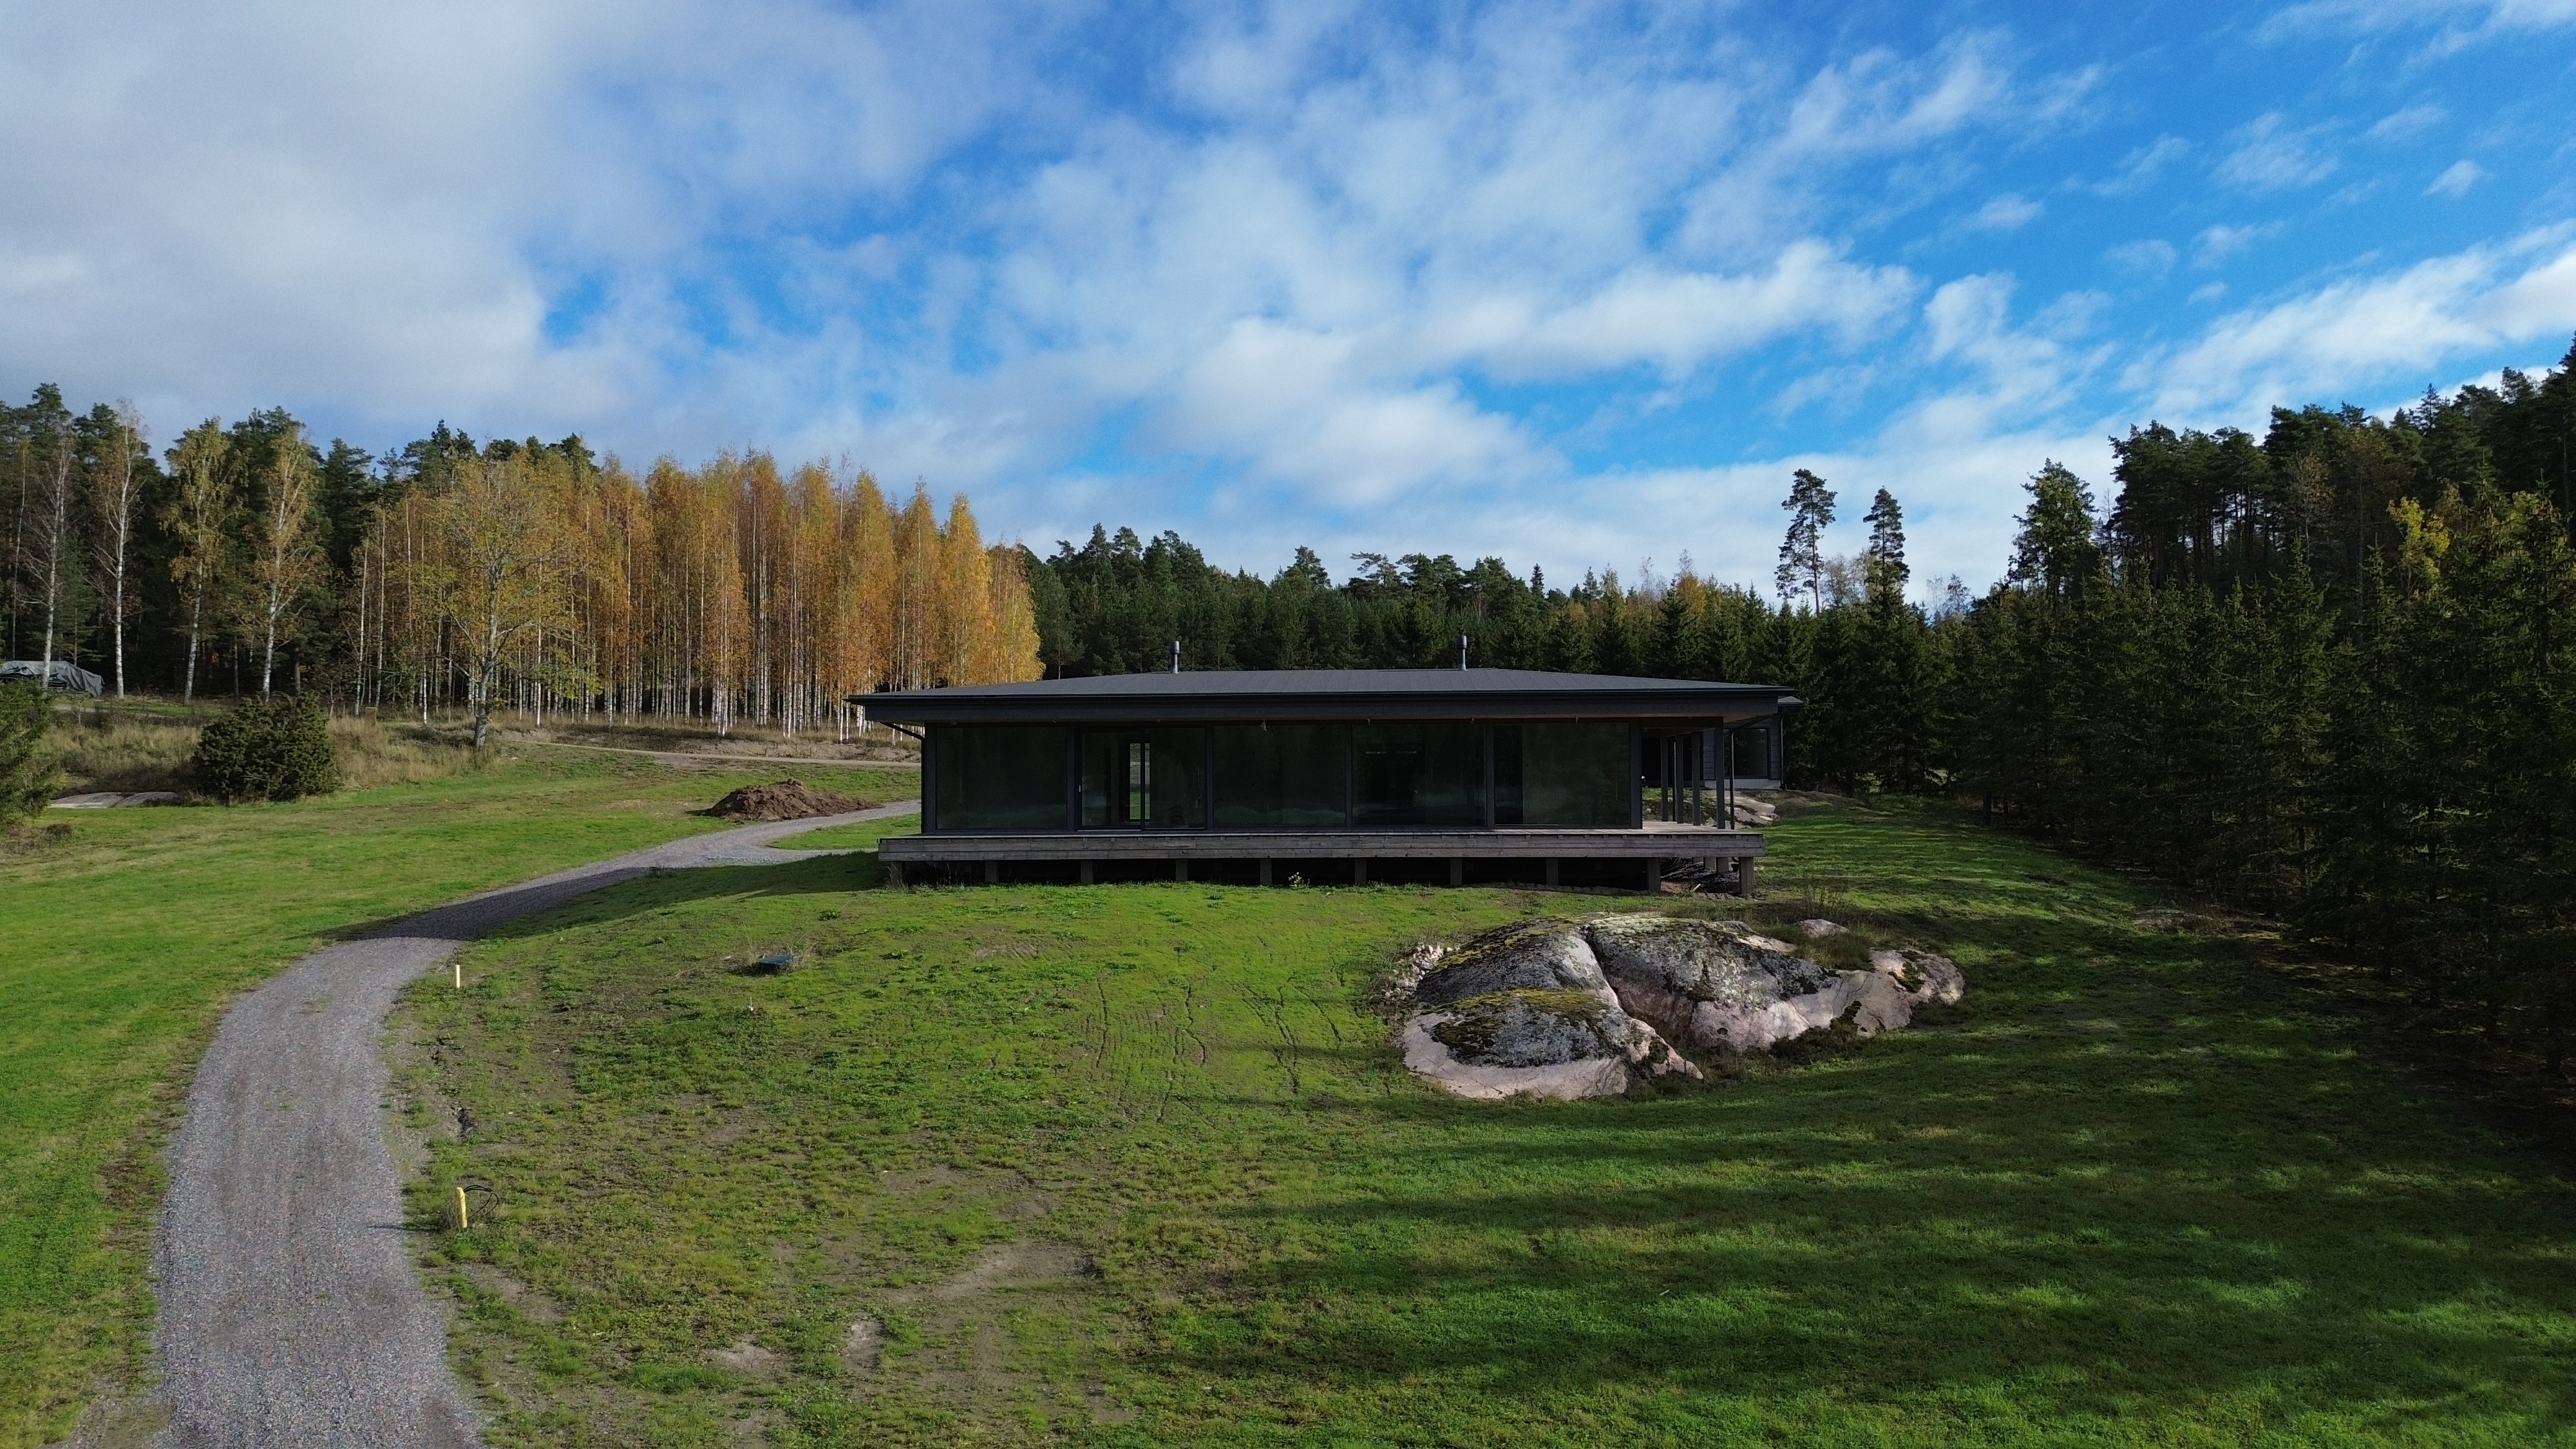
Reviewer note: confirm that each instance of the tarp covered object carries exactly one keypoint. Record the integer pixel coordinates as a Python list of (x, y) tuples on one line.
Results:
[(65, 677)]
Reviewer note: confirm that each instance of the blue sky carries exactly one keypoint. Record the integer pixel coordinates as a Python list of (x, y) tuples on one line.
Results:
[(1575, 285)]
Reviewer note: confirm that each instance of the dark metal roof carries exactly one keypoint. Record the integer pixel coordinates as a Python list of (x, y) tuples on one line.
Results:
[(1312, 694)]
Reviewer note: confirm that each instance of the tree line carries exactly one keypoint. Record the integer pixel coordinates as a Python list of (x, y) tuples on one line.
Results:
[(522, 575), (2328, 672)]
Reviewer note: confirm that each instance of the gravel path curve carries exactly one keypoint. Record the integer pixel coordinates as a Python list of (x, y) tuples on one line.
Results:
[(290, 1314)]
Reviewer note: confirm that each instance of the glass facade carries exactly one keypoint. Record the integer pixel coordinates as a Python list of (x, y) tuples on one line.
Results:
[(1561, 774), (1312, 776), (1152, 779), (999, 777), (1281, 775), (1753, 758), (1418, 774)]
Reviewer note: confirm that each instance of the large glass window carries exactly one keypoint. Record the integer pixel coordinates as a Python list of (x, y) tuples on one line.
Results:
[(1752, 746), (1000, 777), (1561, 774), (1418, 774), (1144, 779), (1278, 775)]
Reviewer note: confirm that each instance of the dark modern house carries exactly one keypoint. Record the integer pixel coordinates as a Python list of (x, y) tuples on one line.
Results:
[(1340, 775)]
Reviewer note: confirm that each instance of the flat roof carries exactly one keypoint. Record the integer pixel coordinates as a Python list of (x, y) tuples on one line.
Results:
[(1332, 694)]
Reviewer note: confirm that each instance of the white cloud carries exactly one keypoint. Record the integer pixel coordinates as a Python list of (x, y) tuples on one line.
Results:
[(2364, 331), (2270, 155), (1294, 261), (2151, 257), (1679, 320), (2017, 369), (2139, 169), (1961, 495), (2008, 212), (1881, 99), (2215, 245), (2456, 181), (1302, 410), (2461, 22), (2408, 123), (374, 211)]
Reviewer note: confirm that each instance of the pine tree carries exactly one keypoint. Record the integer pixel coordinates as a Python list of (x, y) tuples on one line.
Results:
[(1802, 562)]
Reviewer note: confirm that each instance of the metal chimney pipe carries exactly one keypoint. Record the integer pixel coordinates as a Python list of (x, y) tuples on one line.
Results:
[(1176, 656), (1462, 651)]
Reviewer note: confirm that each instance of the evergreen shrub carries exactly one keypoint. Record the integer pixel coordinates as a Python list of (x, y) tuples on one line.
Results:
[(268, 750), (27, 772)]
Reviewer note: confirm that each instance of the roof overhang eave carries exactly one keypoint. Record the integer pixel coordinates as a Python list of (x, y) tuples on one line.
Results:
[(1710, 709)]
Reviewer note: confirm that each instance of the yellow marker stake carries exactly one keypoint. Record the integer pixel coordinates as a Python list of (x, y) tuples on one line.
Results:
[(460, 975), (462, 1222)]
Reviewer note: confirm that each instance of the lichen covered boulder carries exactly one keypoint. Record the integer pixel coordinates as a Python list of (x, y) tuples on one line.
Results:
[(1524, 956), (1723, 986), (1525, 1011), (1563, 1009), (1557, 1044), (1532, 1029), (1922, 975)]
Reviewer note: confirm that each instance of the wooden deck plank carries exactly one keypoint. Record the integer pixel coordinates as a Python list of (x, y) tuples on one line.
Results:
[(1676, 843)]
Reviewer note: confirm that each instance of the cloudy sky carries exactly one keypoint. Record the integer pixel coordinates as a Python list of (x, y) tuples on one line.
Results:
[(1578, 285)]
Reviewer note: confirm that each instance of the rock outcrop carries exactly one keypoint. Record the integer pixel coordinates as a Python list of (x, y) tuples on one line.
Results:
[(1525, 1010), (1574, 1009), (1926, 976), (1722, 985)]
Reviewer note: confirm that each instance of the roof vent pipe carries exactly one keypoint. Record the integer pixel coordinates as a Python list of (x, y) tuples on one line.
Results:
[(1176, 656), (1462, 651)]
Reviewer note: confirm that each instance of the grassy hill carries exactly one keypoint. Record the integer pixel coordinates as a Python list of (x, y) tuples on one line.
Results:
[(1135, 1166)]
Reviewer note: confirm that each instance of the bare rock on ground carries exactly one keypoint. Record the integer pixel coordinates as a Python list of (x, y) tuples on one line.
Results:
[(1538, 955), (782, 800), (1551, 1008), (1922, 974), (1525, 1010), (1722, 985)]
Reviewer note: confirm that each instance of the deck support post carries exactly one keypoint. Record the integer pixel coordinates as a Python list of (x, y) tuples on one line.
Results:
[(1654, 875), (1181, 868), (1265, 870), (1359, 870), (1744, 877), (1457, 870), (1087, 877), (1552, 872), (992, 872)]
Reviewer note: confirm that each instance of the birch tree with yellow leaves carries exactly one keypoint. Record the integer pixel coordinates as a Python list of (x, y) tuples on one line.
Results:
[(500, 530), (733, 591)]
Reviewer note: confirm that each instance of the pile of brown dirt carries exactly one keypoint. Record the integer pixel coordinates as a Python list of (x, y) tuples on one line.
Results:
[(784, 800)]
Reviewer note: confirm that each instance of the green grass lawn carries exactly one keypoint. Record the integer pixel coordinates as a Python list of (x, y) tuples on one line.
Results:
[(120, 945), (1136, 1165)]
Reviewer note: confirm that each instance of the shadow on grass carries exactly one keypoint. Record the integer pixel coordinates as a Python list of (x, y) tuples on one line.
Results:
[(543, 907), (2144, 1257), (1905, 1295)]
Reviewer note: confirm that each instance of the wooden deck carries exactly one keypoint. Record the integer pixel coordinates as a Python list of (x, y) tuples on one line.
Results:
[(1731, 852)]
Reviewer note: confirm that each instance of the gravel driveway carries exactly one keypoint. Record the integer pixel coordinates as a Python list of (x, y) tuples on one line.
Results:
[(289, 1311)]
